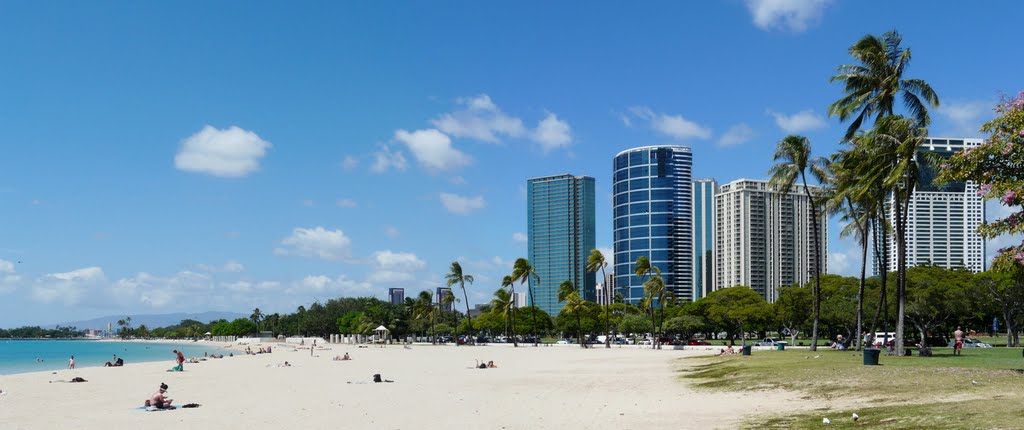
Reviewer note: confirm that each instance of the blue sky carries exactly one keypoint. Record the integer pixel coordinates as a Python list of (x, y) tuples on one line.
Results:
[(227, 155)]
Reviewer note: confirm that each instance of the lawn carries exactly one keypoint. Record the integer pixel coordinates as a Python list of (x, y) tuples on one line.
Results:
[(979, 390)]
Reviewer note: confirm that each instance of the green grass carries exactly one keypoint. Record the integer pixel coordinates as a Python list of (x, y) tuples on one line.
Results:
[(945, 391)]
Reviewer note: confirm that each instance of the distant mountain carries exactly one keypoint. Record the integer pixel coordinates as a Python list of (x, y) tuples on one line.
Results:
[(151, 321)]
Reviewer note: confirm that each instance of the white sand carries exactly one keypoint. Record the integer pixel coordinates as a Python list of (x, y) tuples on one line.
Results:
[(435, 388)]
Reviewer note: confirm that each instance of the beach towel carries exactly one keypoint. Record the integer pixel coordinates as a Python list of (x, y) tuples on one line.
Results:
[(154, 408)]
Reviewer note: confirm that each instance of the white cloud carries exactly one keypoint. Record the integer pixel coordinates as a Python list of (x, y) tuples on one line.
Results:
[(10, 279), (799, 122), (391, 231), (346, 203), (674, 126), (398, 261), (67, 287), (349, 163), (320, 284), (520, 237), (385, 161), (390, 277), (230, 267), (792, 15), (249, 287), (232, 152), (844, 257), (552, 133), (481, 119), (964, 119), (457, 180), (461, 205), (433, 149), (736, 135), (155, 291), (316, 242), (6, 266)]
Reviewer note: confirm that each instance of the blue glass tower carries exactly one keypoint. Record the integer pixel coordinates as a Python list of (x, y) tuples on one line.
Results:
[(653, 218), (703, 236), (560, 218)]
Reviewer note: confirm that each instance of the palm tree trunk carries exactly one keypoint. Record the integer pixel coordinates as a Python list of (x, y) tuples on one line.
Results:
[(817, 264), (533, 315), (607, 305), (901, 261), (515, 342), (469, 318), (860, 290), (579, 328)]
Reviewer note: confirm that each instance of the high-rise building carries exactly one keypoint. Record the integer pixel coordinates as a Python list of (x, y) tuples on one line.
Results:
[(560, 224), (397, 295), (942, 221), (606, 290), (703, 236), (652, 218), (444, 305), (764, 239)]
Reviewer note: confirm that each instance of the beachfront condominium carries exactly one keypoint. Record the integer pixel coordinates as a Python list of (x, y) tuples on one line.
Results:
[(651, 192), (396, 295), (942, 220), (441, 295), (606, 289), (561, 234), (703, 236), (764, 239)]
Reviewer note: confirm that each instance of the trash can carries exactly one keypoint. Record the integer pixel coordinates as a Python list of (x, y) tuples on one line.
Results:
[(781, 346), (746, 349), (871, 356)]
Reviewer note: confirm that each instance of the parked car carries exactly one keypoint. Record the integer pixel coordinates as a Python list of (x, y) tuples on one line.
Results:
[(971, 342), (697, 342), (766, 342), (619, 341), (565, 342)]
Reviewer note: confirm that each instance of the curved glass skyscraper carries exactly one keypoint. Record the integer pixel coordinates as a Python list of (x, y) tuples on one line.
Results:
[(653, 217)]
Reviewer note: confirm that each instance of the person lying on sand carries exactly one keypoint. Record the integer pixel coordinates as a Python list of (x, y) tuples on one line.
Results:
[(159, 399), (491, 365), (342, 357)]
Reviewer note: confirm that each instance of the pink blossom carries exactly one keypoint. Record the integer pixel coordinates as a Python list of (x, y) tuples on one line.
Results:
[(984, 189), (1009, 197)]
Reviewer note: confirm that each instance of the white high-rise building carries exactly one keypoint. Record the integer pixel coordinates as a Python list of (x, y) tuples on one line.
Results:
[(764, 238), (942, 221)]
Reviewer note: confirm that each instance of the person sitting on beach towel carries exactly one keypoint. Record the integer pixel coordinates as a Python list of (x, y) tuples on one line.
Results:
[(159, 400), (491, 365)]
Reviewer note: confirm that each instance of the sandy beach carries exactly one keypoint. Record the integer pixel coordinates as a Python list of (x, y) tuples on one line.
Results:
[(435, 387)]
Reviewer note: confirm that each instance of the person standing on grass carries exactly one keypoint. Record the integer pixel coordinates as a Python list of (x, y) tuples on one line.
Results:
[(958, 340)]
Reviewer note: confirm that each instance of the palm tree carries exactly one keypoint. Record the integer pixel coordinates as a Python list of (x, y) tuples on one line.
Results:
[(897, 165), (455, 276), (594, 262), (501, 305), (510, 283), (654, 291), (872, 86), (857, 209), (793, 159), (568, 294), (255, 317), (523, 271), (424, 308)]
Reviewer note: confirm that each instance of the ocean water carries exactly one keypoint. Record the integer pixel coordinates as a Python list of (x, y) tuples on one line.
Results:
[(20, 356)]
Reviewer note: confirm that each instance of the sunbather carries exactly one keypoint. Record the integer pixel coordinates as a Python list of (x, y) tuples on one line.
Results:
[(159, 399)]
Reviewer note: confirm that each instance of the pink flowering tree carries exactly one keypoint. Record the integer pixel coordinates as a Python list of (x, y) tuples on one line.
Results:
[(998, 165)]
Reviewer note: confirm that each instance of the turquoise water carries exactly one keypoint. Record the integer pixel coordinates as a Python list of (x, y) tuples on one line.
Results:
[(19, 356)]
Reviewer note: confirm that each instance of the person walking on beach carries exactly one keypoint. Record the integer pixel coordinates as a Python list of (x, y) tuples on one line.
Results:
[(180, 359), (958, 340), (71, 363)]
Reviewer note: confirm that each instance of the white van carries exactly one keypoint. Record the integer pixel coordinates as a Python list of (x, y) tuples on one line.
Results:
[(882, 338)]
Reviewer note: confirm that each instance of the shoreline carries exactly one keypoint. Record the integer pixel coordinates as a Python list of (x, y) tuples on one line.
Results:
[(86, 364)]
